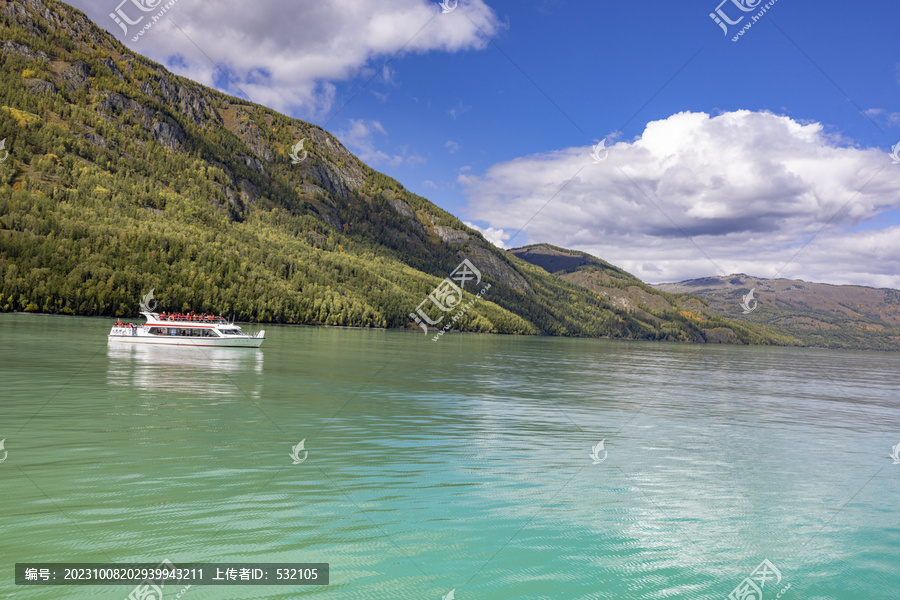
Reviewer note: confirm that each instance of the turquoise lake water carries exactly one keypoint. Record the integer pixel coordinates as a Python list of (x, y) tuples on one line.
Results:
[(463, 464)]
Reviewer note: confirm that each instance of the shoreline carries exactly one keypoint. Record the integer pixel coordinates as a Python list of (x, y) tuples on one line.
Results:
[(435, 331)]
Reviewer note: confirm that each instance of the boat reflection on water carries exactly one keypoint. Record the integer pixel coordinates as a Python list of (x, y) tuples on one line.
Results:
[(186, 370)]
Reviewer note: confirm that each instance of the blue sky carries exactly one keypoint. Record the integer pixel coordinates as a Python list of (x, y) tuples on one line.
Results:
[(723, 156)]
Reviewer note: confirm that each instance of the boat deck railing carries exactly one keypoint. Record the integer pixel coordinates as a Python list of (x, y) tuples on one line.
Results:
[(187, 318)]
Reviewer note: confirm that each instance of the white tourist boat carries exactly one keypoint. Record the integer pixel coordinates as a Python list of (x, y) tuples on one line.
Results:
[(174, 329)]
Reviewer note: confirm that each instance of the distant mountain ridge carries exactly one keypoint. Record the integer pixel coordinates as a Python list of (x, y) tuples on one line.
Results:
[(820, 314), (643, 302)]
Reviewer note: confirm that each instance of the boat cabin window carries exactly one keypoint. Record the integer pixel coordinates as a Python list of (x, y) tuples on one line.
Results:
[(190, 332)]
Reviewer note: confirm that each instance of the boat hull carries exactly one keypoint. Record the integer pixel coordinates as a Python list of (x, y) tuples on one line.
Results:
[(243, 342)]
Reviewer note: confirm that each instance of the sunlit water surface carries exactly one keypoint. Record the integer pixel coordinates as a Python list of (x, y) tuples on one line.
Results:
[(462, 464)]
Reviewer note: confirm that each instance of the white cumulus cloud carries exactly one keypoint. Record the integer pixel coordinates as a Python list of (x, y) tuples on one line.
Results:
[(697, 195), (497, 237), (287, 55)]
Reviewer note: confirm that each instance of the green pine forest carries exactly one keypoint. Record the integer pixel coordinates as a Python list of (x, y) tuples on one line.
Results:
[(122, 177)]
